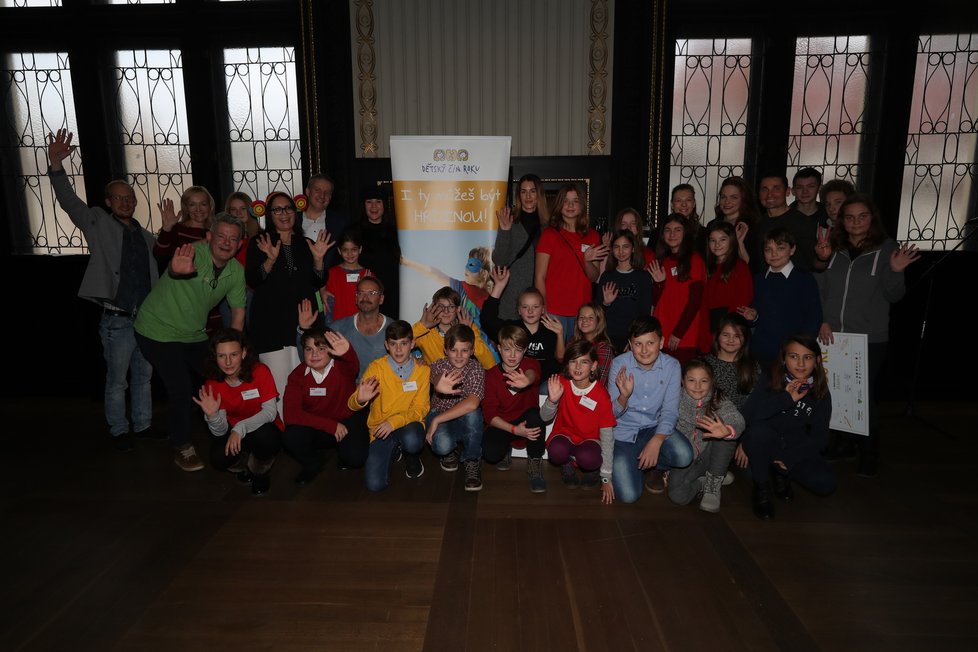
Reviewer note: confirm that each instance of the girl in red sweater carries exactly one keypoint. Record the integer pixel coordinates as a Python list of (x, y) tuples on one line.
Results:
[(582, 430), (729, 284), (679, 275)]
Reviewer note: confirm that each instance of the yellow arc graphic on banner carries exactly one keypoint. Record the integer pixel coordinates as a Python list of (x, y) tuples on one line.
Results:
[(442, 205)]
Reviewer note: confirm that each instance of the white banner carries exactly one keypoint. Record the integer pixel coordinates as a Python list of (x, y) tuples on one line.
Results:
[(847, 364), (447, 190)]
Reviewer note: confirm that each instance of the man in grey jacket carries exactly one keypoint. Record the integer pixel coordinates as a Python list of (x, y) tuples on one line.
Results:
[(119, 275)]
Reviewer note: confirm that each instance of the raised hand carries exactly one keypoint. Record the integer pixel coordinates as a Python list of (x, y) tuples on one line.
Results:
[(367, 390), (554, 388), (712, 427), (429, 315), (747, 313), (323, 242), (609, 292), (596, 254), (447, 382), (464, 316), (338, 345), (500, 277), (168, 216), (625, 383), (657, 271), (505, 218), (59, 148), (182, 263), (740, 230), (516, 379), (307, 316), (209, 403), (901, 258), (552, 324), (270, 250)]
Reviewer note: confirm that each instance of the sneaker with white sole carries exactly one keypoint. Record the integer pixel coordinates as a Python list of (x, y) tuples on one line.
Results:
[(728, 478), (186, 458), (449, 462), (413, 466), (473, 475), (710, 502), (656, 481)]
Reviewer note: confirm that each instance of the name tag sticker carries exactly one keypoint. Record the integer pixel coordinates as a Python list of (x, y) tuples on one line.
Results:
[(352, 278), (585, 247), (589, 403), (674, 270), (317, 391), (409, 386), (249, 394)]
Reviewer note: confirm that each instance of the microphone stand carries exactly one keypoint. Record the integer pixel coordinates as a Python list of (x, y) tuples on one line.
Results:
[(929, 277)]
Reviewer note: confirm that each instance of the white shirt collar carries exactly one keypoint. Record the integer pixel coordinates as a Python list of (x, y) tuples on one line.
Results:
[(582, 392), (320, 377), (784, 271)]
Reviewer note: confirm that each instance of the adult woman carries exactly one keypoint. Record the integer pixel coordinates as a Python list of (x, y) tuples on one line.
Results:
[(189, 225), (381, 249), (283, 269), (729, 284), (737, 206), (568, 258), (863, 277), (516, 239), (679, 275)]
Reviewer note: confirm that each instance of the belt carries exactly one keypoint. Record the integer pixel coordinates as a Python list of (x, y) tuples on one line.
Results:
[(117, 311)]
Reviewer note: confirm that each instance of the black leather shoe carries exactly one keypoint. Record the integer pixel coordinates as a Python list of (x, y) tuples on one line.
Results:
[(123, 443), (761, 503), (260, 484), (244, 477), (868, 466), (305, 477), (153, 434), (782, 487)]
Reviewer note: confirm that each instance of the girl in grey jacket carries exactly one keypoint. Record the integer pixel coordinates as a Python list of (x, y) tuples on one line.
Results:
[(711, 423)]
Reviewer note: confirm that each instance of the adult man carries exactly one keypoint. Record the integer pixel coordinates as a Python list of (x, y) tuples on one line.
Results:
[(644, 387), (365, 329), (773, 194), (119, 275), (170, 327), (316, 217)]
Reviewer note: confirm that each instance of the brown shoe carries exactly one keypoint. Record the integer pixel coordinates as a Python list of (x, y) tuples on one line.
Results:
[(186, 458), (656, 481)]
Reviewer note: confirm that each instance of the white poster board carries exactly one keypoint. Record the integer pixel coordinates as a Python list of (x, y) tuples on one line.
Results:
[(847, 364)]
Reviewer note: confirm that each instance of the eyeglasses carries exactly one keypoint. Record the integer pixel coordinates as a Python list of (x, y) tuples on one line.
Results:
[(368, 293), (282, 210)]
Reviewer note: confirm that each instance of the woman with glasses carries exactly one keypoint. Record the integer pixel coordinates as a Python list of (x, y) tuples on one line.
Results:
[(863, 276), (283, 268)]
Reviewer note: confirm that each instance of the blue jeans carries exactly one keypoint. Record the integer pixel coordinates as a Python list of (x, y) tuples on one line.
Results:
[(122, 356), (626, 477), (377, 470), (568, 323), (466, 429)]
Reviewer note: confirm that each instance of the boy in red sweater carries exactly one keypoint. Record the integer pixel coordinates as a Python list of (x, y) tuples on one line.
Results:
[(315, 406)]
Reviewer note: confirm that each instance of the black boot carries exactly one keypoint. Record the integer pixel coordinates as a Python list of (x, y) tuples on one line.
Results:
[(841, 448), (782, 486), (869, 454), (762, 505)]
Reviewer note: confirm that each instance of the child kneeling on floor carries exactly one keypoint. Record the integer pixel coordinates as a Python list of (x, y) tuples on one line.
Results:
[(459, 384), (582, 430), (396, 388), (711, 423)]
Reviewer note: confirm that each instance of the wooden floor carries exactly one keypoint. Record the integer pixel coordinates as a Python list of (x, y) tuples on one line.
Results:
[(123, 551)]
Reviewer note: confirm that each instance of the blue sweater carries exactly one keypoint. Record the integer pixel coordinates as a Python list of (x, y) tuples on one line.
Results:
[(785, 306)]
